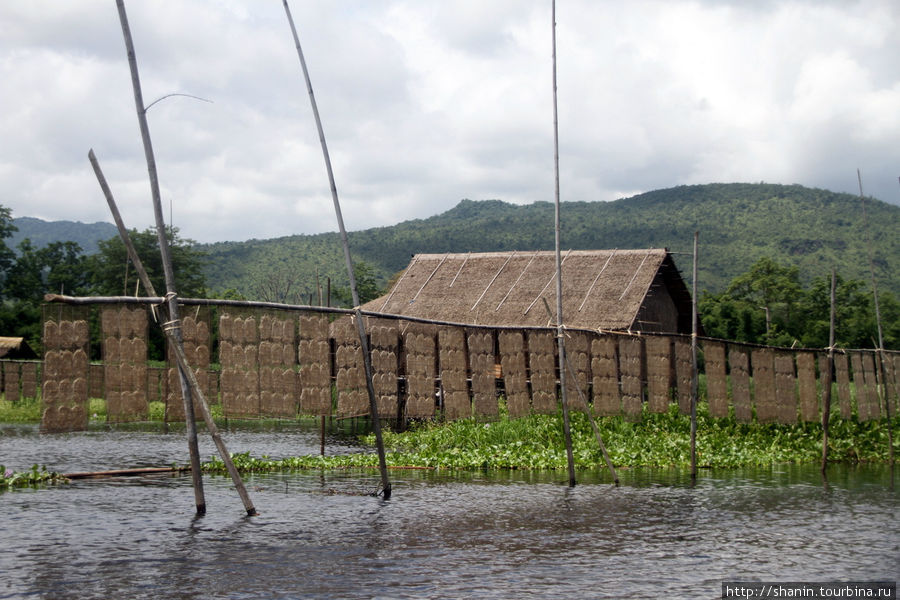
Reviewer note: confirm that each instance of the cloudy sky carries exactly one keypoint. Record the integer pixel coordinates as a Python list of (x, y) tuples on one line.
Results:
[(427, 102)]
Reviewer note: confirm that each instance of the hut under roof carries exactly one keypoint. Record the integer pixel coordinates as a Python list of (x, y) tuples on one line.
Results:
[(16, 348), (607, 290)]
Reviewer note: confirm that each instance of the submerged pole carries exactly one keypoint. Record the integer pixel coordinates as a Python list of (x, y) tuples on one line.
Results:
[(360, 326), (828, 375), (694, 374), (181, 359), (560, 340)]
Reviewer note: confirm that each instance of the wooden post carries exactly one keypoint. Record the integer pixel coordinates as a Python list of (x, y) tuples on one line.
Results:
[(828, 376), (360, 326), (570, 459), (694, 375)]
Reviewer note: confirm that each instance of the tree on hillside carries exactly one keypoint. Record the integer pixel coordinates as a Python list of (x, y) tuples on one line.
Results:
[(58, 267), (6, 230), (366, 286), (774, 288), (112, 273), (798, 316)]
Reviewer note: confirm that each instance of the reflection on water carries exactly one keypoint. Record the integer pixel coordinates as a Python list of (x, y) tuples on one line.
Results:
[(457, 535)]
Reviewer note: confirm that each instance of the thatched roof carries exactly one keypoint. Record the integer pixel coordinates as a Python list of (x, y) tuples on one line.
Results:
[(15, 348), (602, 289)]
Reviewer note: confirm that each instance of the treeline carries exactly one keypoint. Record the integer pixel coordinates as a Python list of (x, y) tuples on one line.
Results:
[(60, 267), (769, 305)]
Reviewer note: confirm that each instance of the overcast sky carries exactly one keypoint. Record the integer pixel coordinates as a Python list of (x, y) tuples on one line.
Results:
[(427, 102)]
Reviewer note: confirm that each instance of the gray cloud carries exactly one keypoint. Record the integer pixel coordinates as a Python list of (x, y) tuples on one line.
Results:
[(427, 103)]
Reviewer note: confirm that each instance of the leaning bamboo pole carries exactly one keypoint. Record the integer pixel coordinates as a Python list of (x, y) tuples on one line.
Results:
[(360, 325), (883, 395), (560, 339), (180, 357)]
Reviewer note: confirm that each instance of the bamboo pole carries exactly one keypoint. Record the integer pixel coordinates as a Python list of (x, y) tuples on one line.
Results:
[(166, 259), (570, 459), (828, 375), (695, 377), (590, 413), (360, 325), (883, 394), (183, 366)]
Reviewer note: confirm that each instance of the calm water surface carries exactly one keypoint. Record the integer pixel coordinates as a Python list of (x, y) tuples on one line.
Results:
[(441, 535)]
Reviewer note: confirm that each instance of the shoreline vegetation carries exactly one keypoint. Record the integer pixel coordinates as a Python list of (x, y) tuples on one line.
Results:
[(536, 443)]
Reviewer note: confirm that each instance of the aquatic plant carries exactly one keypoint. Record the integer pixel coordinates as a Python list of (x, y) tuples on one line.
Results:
[(35, 476), (658, 440)]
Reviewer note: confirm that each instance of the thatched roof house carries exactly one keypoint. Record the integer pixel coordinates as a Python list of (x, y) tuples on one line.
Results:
[(634, 290), (16, 348)]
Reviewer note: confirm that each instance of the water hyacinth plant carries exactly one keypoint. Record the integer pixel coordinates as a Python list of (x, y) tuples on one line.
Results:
[(658, 440), (35, 476)]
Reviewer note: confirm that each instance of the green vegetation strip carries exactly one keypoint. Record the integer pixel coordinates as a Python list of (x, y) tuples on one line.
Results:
[(536, 442), (34, 477)]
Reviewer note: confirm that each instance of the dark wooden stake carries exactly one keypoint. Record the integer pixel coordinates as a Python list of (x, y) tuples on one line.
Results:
[(828, 376), (360, 325), (695, 378), (181, 358)]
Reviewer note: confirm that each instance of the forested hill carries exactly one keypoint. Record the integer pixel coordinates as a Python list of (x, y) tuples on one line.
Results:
[(813, 229), (41, 233)]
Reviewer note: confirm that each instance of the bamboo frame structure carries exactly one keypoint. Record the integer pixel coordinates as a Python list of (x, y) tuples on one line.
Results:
[(184, 368)]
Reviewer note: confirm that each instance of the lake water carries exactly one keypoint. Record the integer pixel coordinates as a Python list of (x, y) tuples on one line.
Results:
[(440, 535)]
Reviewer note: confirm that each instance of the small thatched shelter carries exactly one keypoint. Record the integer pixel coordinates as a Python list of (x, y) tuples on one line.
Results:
[(610, 290), (16, 348)]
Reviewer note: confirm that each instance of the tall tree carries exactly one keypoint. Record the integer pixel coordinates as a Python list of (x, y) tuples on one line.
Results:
[(112, 273), (7, 256)]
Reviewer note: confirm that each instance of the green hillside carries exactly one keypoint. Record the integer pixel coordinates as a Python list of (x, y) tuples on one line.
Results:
[(41, 233), (738, 223)]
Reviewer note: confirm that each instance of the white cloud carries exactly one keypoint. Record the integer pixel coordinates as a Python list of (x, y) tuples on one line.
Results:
[(424, 104)]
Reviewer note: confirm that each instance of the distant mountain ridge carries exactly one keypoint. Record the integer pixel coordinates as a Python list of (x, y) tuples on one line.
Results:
[(738, 223), (42, 233)]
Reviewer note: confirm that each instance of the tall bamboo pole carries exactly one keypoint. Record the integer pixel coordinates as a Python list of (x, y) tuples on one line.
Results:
[(880, 351), (694, 375), (560, 339), (363, 341), (829, 374), (166, 258), (180, 357)]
